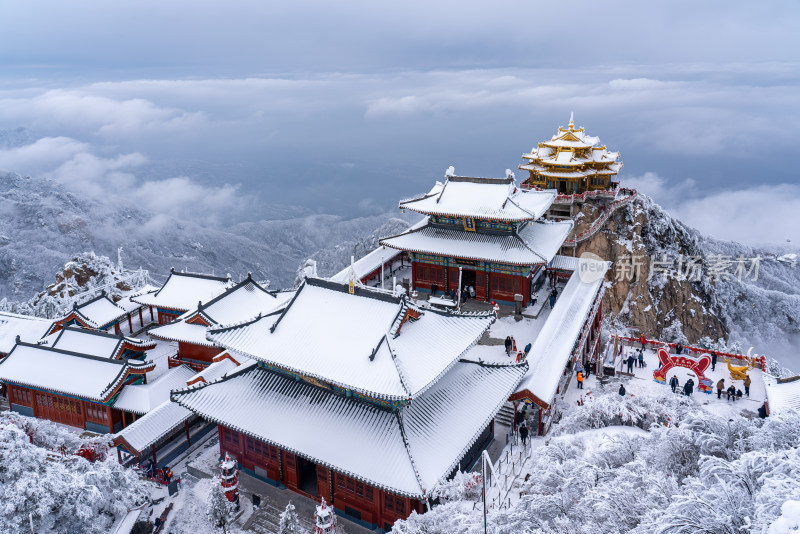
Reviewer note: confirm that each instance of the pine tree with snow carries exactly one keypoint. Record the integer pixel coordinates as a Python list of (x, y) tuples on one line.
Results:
[(218, 507), (289, 522)]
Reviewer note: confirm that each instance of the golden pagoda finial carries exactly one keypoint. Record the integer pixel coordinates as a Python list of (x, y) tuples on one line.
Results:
[(571, 121)]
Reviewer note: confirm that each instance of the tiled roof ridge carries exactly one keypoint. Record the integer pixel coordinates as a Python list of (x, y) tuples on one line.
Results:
[(400, 374), (524, 244), (399, 418), (481, 180), (475, 437), (67, 352), (202, 307), (173, 272)]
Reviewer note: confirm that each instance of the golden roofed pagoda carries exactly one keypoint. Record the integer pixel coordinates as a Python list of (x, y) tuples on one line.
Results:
[(571, 163)]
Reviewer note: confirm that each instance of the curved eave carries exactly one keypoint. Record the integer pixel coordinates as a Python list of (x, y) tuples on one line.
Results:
[(292, 450), (474, 216), (474, 258), (477, 434), (205, 343)]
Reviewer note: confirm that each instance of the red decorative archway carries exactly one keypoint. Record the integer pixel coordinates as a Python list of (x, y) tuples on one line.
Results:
[(696, 365)]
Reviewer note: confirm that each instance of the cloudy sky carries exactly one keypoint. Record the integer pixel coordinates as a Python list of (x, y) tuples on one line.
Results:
[(232, 107)]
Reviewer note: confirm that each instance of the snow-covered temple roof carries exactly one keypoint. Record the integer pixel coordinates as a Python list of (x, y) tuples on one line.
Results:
[(406, 453), (142, 398), (371, 342), (571, 153), (536, 242), (246, 300), (100, 310), (485, 198), (155, 426), (69, 373), (223, 364), (28, 328), (366, 265), (563, 329), (182, 291), (94, 343), (783, 395)]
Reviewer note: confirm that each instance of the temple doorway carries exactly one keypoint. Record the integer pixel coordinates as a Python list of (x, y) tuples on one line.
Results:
[(562, 187), (307, 476), (467, 278)]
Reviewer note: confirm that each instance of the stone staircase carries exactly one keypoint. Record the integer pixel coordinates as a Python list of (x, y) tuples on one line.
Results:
[(267, 520), (505, 416)]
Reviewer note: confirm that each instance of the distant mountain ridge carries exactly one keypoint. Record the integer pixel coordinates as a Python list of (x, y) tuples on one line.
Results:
[(42, 226)]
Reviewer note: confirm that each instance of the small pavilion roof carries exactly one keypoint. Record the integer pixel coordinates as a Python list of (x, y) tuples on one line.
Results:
[(95, 343), (152, 428), (371, 342), (407, 452), (553, 347), (97, 313), (182, 291), (28, 328), (484, 198), (68, 373), (535, 243)]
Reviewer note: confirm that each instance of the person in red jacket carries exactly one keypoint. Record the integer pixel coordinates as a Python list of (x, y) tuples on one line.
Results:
[(643, 340)]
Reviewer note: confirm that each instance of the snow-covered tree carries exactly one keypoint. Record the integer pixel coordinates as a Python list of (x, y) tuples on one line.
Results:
[(218, 507), (289, 522), (60, 492)]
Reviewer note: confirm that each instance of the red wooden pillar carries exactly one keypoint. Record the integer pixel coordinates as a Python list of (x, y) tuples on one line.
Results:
[(141, 320), (541, 422), (155, 460), (110, 419), (151, 312), (119, 455), (188, 438), (130, 323), (116, 328), (122, 414)]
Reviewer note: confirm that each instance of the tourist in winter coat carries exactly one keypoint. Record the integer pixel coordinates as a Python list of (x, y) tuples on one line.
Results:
[(508, 345), (720, 387), (631, 359), (747, 383), (622, 390), (587, 369), (523, 433), (643, 340), (580, 379), (641, 358), (578, 366), (691, 386), (678, 348), (762, 412), (673, 382), (527, 349), (739, 394), (731, 392), (713, 360)]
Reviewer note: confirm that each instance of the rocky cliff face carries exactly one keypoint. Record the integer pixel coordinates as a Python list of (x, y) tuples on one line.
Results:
[(650, 286)]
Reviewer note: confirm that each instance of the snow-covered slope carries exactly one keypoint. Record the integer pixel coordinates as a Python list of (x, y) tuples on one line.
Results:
[(42, 226)]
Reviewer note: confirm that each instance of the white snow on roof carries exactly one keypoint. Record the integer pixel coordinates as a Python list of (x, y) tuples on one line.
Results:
[(217, 370), (367, 442), (367, 264), (564, 263), (49, 369), (182, 291), (141, 398), (101, 311), (553, 347), (782, 397), (498, 199), (157, 424), (29, 329), (85, 342), (536, 243), (446, 420), (182, 331), (440, 426), (330, 334), (245, 301)]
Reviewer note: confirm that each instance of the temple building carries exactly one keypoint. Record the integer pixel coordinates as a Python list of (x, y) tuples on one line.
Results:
[(356, 395), (73, 388), (572, 163), (100, 313), (26, 327), (181, 292), (245, 300), (97, 343), (483, 233)]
